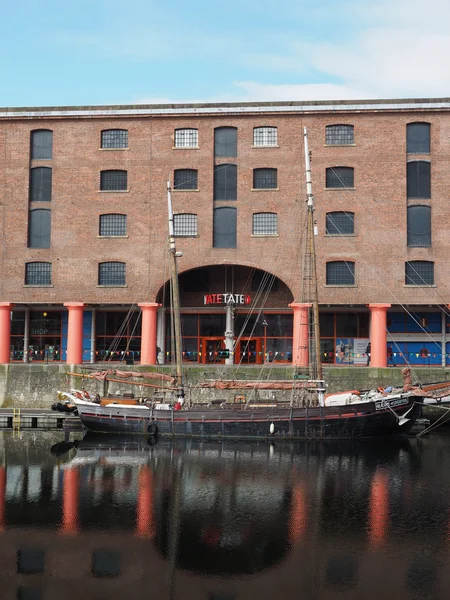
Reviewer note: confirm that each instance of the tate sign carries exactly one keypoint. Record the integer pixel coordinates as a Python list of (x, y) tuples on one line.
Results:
[(227, 299)]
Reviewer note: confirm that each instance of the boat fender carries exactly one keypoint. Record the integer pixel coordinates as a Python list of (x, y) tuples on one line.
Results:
[(60, 396), (152, 429), (272, 429), (381, 390)]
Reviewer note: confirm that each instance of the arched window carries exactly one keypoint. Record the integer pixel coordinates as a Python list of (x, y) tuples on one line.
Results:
[(339, 135), (41, 144), (225, 182), (185, 179), (113, 225), (40, 184), (340, 223), (265, 223), (419, 272), (265, 136), (114, 138), (418, 179), (224, 227), (340, 177), (340, 272), (112, 273), (419, 226), (265, 179), (418, 138), (113, 181), (39, 225), (185, 225), (186, 138), (38, 273), (225, 142)]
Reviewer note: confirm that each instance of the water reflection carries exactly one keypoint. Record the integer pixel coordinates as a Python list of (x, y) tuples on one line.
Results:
[(113, 518)]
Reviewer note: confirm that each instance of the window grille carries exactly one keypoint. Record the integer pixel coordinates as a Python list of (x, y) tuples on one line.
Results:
[(419, 272), (41, 144), (185, 179), (340, 223), (418, 138), (39, 227), (339, 135), (225, 182), (114, 181), (418, 179), (113, 225), (265, 224), (38, 273), (115, 138), (265, 136), (340, 177), (225, 141), (185, 225), (340, 272), (186, 138), (265, 179), (111, 273), (419, 226), (224, 227), (40, 184)]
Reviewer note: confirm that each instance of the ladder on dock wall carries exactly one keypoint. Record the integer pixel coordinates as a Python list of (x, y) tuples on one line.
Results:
[(16, 419)]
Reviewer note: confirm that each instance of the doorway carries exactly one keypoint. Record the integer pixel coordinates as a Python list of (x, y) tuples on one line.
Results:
[(249, 351), (212, 350)]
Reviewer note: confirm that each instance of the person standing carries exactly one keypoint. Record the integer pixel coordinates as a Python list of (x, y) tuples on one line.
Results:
[(390, 356), (368, 352)]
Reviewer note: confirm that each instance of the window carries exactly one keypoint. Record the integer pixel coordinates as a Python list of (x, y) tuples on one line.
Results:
[(38, 273), (39, 228), (41, 144), (111, 273), (419, 179), (339, 135), (419, 226), (225, 141), (340, 272), (225, 182), (265, 136), (340, 223), (185, 225), (418, 138), (340, 177), (106, 563), (419, 272), (114, 138), (186, 138), (113, 225), (224, 227), (113, 181), (265, 223), (265, 179), (40, 184), (30, 562), (185, 179)]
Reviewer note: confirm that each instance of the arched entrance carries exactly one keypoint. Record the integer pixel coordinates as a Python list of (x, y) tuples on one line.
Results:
[(230, 314)]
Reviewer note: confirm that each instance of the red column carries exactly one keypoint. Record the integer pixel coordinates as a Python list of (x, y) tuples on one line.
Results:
[(300, 338), (144, 516), (5, 331), (71, 491), (148, 339), (378, 335), (379, 510), (2, 496), (75, 333)]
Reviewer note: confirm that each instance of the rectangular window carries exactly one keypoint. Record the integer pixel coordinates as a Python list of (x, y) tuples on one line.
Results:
[(111, 273), (38, 273), (185, 179), (339, 135), (115, 138), (41, 144), (30, 562), (113, 181), (418, 138), (419, 226), (113, 225), (225, 182), (224, 227), (186, 138), (265, 136), (39, 228), (418, 175), (265, 224), (265, 179), (419, 272), (340, 177), (340, 272), (40, 184), (185, 225), (225, 141), (340, 223)]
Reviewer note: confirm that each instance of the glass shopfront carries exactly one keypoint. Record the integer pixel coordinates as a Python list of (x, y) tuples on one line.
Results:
[(44, 336), (118, 335)]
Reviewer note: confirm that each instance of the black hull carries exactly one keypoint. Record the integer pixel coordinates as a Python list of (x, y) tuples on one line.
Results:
[(296, 424)]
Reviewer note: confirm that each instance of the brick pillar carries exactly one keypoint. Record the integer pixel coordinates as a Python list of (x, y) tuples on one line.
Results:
[(75, 333), (300, 337), (71, 492), (148, 335), (378, 335), (144, 516), (5, 332)]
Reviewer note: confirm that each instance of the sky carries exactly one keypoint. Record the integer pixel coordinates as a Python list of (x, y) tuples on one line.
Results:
[(94, 52)]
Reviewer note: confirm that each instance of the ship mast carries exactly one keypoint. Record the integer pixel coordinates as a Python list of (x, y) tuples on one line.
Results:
[(311, 253), (175, 298)]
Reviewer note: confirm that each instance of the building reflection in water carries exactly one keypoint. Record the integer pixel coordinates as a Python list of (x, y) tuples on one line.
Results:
[(113, 518)]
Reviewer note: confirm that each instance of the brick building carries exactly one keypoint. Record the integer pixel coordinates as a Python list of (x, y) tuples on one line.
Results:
[(84, 260)]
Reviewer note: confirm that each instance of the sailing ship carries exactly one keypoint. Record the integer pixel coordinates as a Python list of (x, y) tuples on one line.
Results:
[(308, 414)]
